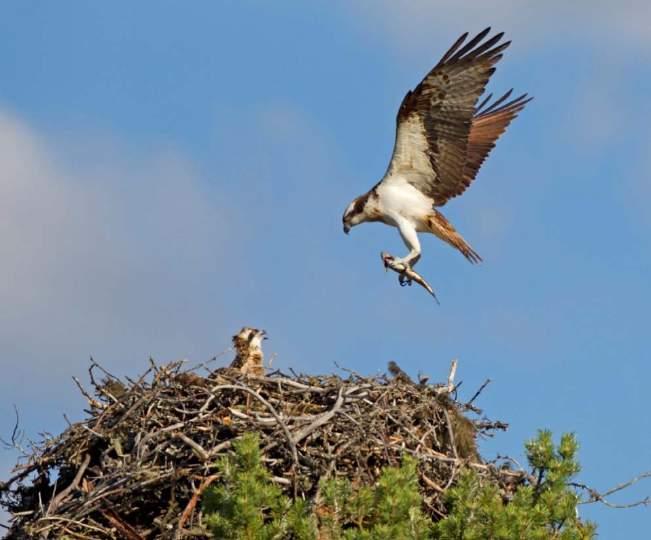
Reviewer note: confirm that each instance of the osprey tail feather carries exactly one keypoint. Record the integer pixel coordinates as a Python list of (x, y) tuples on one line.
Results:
[(443, 229)]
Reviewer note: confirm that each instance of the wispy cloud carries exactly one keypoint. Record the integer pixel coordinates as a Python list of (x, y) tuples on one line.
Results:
[(100, 248), (118, 255), (412, 24)]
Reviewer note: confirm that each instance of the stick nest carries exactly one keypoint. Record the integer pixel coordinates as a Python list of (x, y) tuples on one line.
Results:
[(137, 466)]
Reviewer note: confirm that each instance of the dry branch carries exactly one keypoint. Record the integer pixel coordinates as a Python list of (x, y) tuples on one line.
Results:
[(137, 466), (595, 496)]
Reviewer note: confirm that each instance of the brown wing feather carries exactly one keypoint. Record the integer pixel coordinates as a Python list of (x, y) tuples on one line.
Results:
[(486, 128), (435, 120)]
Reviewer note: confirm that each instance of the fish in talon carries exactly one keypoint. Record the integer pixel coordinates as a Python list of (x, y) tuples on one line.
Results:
[(407, 273), (444, 133)]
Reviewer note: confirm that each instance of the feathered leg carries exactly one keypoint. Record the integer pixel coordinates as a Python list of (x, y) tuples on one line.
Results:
[(410, 238)]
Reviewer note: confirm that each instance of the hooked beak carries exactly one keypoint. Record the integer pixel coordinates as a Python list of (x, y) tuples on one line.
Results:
[(346, 228), (263, 333)]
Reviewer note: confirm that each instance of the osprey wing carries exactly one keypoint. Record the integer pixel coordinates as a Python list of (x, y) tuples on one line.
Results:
[(487, 126), (442, 138)]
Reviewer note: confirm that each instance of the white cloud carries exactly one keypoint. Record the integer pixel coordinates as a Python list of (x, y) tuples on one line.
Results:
[(415, 24), (108, 252), (102, 249)]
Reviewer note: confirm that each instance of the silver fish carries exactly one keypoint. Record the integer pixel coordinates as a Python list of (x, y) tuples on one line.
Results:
[(407, 274)]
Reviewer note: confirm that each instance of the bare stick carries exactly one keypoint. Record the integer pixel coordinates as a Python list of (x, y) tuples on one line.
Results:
[(125, 529), (196, 447), (54, 503), (453, 372), (16, 436), (452, 441), (91, 400), (595, 496), (323, 419), (449, 388), (476, 395), (189, 508), (273, 412)]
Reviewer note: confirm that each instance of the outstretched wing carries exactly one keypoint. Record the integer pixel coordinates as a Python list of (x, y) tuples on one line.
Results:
[(487, 126), (442, 138)]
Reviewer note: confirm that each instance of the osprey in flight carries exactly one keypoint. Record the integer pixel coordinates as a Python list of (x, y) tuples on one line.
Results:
[(442, 138)]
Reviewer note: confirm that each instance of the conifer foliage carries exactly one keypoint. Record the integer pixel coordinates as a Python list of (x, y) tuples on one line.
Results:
[(248, 505), (390, 509), (544, 508)]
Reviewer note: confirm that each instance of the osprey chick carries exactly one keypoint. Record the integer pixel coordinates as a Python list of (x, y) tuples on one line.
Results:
[(442, 139), (248, 351)]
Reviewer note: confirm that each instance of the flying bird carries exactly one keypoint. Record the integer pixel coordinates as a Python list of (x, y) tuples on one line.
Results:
[(442, 138)]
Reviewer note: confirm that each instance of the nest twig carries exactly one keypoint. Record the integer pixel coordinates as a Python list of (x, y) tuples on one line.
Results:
[(137, 466)]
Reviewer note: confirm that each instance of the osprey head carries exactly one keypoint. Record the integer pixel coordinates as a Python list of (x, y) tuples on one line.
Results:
[(354, 214), (249, 338)]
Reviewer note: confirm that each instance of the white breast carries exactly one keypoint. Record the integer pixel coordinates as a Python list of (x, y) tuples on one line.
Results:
[(400, 200)]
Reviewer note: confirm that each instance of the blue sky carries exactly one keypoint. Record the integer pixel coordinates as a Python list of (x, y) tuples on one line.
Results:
[(173, 171)]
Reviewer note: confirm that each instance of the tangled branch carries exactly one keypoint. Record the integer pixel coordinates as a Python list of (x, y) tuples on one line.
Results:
[(594, 496), (137, 465)]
